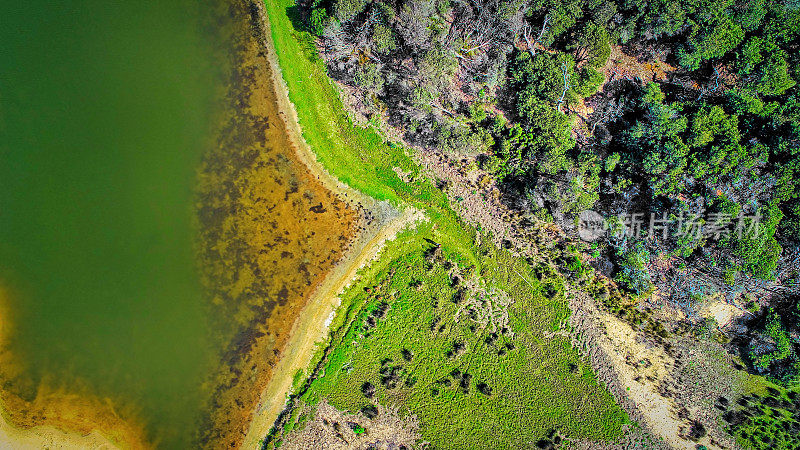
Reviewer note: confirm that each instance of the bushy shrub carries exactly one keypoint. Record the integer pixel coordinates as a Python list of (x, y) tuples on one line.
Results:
[(633, 273)]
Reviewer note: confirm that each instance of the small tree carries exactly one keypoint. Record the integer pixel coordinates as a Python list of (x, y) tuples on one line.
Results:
[(591, 45)]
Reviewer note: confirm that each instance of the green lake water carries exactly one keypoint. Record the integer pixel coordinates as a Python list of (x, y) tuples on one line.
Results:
[(104, 114)]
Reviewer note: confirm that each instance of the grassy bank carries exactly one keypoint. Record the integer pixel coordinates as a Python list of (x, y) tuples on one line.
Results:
[(414, 325), (358, 156), (410, 331)]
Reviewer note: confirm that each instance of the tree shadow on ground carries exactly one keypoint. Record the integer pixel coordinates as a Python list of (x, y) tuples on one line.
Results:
[(295, 15)]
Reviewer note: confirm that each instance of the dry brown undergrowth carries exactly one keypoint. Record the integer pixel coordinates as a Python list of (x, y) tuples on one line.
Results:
[(334, 429)]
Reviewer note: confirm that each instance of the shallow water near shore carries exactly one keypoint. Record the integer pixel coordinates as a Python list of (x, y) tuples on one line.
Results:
[(157, 235)]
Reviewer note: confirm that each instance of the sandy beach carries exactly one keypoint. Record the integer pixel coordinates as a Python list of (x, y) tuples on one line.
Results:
[(47, 437)]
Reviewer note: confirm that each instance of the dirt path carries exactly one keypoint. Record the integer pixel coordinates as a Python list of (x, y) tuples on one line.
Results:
[(611, 347), (648, 381), (312, 324)]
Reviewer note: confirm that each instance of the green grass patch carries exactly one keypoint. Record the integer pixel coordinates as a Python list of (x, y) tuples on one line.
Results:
[(358, 156), (766, 418), (403, 340)]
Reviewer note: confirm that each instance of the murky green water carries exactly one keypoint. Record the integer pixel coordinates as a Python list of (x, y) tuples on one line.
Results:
[(104, 111)]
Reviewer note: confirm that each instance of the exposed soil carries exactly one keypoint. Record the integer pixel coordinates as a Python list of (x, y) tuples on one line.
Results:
[(334, 429), (622, 66), (666, 384)]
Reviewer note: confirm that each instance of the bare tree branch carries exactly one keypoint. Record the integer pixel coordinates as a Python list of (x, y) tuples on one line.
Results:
[(566, 87)]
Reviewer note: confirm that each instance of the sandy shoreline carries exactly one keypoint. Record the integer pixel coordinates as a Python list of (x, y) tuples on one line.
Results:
[(311, 326), (46, 436), (295, 133)]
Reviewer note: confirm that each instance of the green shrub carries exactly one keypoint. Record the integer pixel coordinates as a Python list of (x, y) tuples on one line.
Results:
[(633, 273)]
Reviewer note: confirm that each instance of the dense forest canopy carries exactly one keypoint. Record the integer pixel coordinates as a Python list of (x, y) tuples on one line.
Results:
[(682, 114)]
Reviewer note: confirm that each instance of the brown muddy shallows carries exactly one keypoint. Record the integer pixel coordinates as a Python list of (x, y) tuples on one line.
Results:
[(270, 232)]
